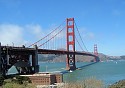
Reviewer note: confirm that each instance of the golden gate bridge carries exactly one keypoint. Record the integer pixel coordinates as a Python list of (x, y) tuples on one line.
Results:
[(27, 57)]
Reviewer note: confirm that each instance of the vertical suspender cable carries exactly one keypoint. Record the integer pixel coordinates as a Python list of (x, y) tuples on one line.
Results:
[(80, 37), (47, 35)]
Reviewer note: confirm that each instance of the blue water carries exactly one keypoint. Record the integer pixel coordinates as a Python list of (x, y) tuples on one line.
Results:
[(109, 72)]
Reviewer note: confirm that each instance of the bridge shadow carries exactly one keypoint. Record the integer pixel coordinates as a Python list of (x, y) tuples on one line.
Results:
[(81, 67), (78, 68)]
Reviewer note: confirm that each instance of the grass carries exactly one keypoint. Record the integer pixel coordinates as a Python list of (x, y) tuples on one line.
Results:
[(16, 85), (18, 82), (88, 83), (120, 84)]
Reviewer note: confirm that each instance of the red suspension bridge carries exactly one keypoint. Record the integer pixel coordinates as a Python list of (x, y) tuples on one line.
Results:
[(54, 42)]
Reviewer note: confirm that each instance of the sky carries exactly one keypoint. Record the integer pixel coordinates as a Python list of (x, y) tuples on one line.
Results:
[(100, 22)]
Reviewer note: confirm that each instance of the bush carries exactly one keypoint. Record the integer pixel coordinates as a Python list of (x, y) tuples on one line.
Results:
[(88, 83), (18, 82), (16, 85), (120, 84), (1, 80), (21, 79), (13, 85)]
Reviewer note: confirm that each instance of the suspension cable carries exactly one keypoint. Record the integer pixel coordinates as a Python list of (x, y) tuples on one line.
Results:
[(80, 36), (79, 44), (51, 37), (47, 35)]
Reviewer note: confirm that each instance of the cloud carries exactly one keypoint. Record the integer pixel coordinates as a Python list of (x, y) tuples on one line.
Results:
[(36, 30), (86, 34), (30, 33), (90, 35), (10, 33), (24, 35), (19, 35), (59, 34)]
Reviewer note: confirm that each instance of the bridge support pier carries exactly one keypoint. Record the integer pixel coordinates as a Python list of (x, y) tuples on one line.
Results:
[(71, 62), (35, 60), (3, 60), (97, 59)]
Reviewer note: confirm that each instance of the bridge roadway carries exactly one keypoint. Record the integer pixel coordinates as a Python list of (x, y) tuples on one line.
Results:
[(45, 51), (22, 57)]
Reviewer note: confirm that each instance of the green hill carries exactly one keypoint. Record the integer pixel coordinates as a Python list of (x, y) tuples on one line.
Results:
[(79, 58)]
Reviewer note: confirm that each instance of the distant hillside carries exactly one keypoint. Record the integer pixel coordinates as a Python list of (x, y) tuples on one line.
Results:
[(79, 58)]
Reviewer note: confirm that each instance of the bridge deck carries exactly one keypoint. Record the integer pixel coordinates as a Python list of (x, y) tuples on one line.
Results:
[(45, 51)]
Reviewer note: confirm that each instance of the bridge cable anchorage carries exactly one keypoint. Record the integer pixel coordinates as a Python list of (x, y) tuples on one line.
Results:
[(80, 36), (52, 37), (47, 34)]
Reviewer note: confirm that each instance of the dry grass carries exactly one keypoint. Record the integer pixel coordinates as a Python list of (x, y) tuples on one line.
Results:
[(16, 85), (88, 83)]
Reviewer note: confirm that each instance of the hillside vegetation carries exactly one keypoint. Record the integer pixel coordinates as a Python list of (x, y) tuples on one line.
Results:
[(79, 58)]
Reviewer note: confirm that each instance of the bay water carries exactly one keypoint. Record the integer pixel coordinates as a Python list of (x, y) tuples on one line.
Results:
[(109, 71)]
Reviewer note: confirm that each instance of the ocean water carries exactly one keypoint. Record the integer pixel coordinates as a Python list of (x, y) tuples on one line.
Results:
[(109, 72)]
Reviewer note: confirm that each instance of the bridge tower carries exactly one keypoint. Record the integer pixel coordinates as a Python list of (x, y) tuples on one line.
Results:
[(95, 52), (70, 60)]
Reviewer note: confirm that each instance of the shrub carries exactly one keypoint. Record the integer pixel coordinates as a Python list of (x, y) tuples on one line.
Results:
[(18, 82), (16, 85), (88, 83), (120, 84), (21, 79), (13, 85), (1, 80)]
